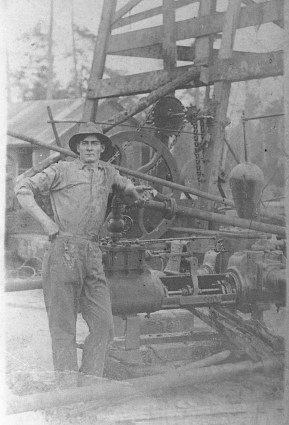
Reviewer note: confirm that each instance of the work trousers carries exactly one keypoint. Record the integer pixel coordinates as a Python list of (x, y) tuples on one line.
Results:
[(73, 280)]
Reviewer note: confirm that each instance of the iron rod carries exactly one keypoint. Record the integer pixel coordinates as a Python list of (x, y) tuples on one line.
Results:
[(127, 125), (245, 140), (139, 175), (259, 117), (219, 218), (55, 132)]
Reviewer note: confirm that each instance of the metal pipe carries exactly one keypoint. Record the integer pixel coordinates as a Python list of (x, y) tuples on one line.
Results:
[(33, 141), (125, 125), (129, 172), (53, 126), (219, 218), (139, 175), (250, 234), (245, 139)]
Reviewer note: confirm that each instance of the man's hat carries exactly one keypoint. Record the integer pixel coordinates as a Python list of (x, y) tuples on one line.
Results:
[(93, 129)]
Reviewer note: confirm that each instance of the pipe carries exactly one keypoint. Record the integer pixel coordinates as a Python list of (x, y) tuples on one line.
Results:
[(250, 234), (13, 285), (142, 176), (112, 390), (219, 218), (258, 117)]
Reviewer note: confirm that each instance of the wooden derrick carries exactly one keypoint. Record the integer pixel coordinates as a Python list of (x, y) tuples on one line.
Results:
[(217, 67)]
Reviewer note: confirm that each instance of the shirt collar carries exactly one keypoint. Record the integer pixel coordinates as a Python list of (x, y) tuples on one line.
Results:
[(81, 165)]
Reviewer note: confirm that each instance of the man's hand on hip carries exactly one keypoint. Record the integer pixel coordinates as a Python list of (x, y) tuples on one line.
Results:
[(50, 228)]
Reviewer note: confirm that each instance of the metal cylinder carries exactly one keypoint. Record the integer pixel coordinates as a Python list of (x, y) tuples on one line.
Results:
[(247, 182), (134, 287)]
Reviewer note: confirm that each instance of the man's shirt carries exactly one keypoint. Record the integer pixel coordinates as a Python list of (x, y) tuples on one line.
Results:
[(78, 193)]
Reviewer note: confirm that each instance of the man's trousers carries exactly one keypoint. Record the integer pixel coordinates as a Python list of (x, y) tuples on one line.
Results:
[(73, 280)]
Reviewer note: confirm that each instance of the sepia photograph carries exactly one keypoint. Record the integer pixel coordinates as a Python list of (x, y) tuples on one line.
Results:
[(145, 208)]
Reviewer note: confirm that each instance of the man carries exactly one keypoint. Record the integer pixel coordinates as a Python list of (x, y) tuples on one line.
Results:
[(73, 274)]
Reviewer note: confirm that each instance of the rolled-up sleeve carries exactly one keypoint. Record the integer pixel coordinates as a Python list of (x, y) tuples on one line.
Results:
[(41, 182)]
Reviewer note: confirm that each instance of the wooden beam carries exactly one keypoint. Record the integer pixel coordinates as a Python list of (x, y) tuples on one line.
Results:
[(128, 20), (241, 67), (125, 9), (99, 57), (169, 53), (191, 74), (221, 97), (257, 14)]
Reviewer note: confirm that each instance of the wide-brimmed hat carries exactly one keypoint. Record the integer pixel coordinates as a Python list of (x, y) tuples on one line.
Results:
[(93, 129)]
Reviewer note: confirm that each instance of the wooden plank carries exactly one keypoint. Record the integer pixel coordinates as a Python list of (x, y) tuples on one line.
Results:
[(128, 20), (257, 14), (184, 53), (99, 57), (241, 67), (204, 44), (125, 9), (221, 97), (169, 53)]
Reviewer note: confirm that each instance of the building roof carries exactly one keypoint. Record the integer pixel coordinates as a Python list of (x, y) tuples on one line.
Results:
[(30, 118)]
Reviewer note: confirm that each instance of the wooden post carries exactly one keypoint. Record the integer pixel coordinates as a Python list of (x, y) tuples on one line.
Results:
[(221, 97), (99, 57), (125, 9), (286, 147), (169, 40)]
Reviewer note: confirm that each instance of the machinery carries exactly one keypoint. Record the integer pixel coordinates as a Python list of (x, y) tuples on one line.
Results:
[(153, 262), (252, 277)]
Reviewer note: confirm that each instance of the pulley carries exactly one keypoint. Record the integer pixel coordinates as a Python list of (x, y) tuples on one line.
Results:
[(169, 114)]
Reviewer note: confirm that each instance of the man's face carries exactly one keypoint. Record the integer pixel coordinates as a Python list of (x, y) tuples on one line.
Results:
[(90, 149)]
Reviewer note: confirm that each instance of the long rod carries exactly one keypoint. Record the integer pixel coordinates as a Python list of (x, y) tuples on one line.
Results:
[(219, 218), (137, 174), (259, 117), (127, 125), (53, 126), (286, 148), (133, 173), (245, 141)]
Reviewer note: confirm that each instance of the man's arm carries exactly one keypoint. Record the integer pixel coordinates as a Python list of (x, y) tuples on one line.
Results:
[(28, 202), (26, 189), (129, 192)]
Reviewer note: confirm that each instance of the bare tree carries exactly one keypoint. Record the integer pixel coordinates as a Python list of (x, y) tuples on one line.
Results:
[(49, 91)]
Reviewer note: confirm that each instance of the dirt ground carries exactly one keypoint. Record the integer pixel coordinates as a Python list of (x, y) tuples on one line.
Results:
[(245, 399)]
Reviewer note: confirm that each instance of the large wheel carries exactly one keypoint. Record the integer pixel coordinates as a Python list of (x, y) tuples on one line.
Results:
[(142, 151)]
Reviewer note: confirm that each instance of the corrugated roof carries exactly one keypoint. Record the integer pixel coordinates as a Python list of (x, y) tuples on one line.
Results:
[(30, 118)]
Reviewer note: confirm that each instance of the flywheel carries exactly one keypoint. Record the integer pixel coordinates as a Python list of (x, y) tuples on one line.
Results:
[(142, 151)]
